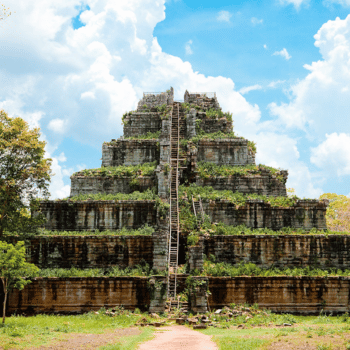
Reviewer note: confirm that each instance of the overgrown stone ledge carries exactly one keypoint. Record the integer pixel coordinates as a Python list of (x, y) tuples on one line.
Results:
[(83, 184)]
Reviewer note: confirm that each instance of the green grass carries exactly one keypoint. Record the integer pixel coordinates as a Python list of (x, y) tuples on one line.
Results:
[(211, 170), (143, 231), (250, 269), (222, 229), (238, 340), (20, 332), (147, 136), (143, 270), (260, 331), (149, 194), (131, 342), (132, 171), (207, 193)]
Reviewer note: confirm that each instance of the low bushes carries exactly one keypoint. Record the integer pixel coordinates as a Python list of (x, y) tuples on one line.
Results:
[(149, 194), (249, 269), (237, 198), (133, 171), (210, 170), (113, 271)]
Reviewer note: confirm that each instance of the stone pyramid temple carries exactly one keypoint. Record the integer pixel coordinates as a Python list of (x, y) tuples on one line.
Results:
[(181, 170)]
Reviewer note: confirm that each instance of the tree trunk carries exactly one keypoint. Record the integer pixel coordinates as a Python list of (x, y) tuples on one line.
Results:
[(4, 308)]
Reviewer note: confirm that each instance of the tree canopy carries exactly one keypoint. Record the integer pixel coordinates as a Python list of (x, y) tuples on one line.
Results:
[(338, 212), (24, 174), (13, 269)]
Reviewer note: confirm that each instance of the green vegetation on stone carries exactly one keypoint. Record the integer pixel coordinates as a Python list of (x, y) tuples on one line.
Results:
[(143, 231), (207, 193), (219, 135), (222, 229), (147, 136), (113, 271), (211, 170), (222, 269), (132, 171), (149, 195)]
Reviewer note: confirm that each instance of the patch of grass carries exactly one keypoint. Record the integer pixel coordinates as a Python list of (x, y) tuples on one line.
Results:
[(219, 135), (143, 231), (21, 332), (147, 136), (211, 170), (207, 193), (239, 343), (250, 269), (149, 194), (131, 342), (132, 171), (222, 229), (113, 271)]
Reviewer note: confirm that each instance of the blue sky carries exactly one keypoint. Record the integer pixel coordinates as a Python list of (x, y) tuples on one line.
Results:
[(282, 67)]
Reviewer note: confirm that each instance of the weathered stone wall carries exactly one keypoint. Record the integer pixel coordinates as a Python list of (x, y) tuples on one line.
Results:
[(158, 291), (302, 295), (195, 255), (89, 251), (304, 214), (225, 152), (160, 243), (282, 251), (204, 100), (77, 295), (140, 123), (129, 152), (265, 184), (215, 125), (163, 170), (106, 184), (191, 123), (98, 215), (153, 99)]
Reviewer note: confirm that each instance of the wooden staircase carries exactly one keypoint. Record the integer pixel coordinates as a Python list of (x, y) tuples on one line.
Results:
[(176, 163), (198, 211)]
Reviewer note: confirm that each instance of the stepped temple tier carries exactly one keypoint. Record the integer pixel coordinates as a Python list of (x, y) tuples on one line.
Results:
[(190, 193)]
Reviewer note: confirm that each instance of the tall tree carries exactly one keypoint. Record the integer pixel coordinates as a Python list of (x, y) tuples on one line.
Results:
[(338, 212), (24, 174), (13, 269)]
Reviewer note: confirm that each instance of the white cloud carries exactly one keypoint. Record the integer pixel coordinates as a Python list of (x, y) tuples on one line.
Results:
[(274, 84), (265, 46), (296, 3), (333, 154), (57, 187), (188, 48), (247, 89), (256, 21), (57, 125), (321, 101), (62, 157), (224, 16), (344, 3), (280, 151), (284, 53)]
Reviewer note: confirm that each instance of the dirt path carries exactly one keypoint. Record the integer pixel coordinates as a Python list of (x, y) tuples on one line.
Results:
[(179, 337)]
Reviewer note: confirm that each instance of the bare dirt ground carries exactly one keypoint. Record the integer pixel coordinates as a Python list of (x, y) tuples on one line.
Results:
[(179, 337), (80, 341)]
